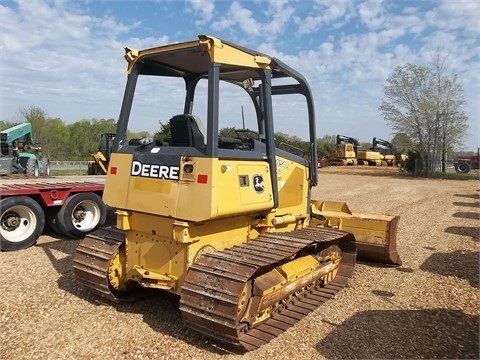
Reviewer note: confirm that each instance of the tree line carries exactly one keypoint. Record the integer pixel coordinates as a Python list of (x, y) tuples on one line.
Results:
[(60, 141), (79, 140), (423, 105)]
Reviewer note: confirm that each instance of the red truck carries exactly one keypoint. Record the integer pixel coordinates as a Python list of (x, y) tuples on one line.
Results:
[(466, 162), (71, 206)]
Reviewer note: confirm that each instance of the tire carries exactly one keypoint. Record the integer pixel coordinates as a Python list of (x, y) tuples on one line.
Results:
[(45, 167), (80, 214), (462, 167), (52, 223), (32, 167), (21, 222)]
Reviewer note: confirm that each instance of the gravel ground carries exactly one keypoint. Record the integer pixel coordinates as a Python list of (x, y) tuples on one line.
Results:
[(428, 308)]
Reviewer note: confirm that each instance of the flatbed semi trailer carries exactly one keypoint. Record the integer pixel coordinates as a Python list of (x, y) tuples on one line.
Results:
[(70, 205)]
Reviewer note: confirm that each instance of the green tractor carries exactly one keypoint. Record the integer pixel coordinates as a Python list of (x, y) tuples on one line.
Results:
[(19, 154)]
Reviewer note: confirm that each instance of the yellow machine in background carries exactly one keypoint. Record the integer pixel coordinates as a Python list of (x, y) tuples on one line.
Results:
[(349, 152), (369, 157), (387, 150), (99, 164), (228, 224), (345, 151)]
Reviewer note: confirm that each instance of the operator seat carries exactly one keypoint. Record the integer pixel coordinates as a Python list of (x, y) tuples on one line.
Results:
[(187, 130)]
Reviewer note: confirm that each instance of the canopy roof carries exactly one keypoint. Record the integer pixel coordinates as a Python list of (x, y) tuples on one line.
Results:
[(192, 59)]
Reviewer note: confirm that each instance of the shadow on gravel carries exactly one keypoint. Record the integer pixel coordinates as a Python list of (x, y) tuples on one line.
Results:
[(475, 204), (404, 334), (472, 231), (469, 196), (161, 313), (59, 252), (461, 264), (160, 309), (467, 215)]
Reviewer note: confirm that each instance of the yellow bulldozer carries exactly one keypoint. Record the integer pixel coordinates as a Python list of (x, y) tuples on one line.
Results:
[(345, 151), (228, 224), (349, 152)]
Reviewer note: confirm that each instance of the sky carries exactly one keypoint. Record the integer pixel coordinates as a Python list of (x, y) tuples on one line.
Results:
[(66, 57)]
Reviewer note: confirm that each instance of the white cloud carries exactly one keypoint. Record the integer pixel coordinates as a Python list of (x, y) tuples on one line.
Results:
[(67, 59), (371, 13), (58, 56), (204, 9), (460, 14), (326, 13), (278, 13)]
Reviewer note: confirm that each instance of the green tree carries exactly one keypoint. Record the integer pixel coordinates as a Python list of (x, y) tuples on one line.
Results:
[(85, 136), (326, 145), (103, 126), (163, 133), (138, 135), (51, 134), (233, 132), (7, 124), (56, 145), (82, 140), (402, 143), (37, 117)]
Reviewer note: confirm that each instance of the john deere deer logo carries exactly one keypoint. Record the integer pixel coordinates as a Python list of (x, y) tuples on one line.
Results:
[(258, 184)]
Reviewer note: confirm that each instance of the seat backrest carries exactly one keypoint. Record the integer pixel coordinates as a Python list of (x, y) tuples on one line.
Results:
[(187, 130)]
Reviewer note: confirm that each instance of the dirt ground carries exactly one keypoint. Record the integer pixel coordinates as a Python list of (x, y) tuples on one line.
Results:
[(427, 308)]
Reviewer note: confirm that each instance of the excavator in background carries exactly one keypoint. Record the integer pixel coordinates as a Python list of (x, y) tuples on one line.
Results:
[(19, 154), (228, 224), (386, 149), (99, 164), (369, 157)]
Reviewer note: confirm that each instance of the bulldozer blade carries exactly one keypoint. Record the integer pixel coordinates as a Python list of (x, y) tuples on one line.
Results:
[(375, 234)]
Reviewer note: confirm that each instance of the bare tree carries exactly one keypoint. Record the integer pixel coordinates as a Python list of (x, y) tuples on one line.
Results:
[(451, 120), (426, 105)]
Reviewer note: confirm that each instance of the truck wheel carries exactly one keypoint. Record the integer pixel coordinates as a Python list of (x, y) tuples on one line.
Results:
[(52, 223), (45, 167), (80, 214), (462, 167), (32, 167), (21, 222)]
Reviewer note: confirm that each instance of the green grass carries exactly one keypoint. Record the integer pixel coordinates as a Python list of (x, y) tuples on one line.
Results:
[(69, 172), (472, 175)]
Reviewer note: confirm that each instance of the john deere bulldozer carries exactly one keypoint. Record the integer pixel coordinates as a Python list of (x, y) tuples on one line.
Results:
[(228, 224), (345, 151)]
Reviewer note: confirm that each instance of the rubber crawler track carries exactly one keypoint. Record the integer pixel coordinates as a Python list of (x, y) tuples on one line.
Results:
[(214, 285)]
